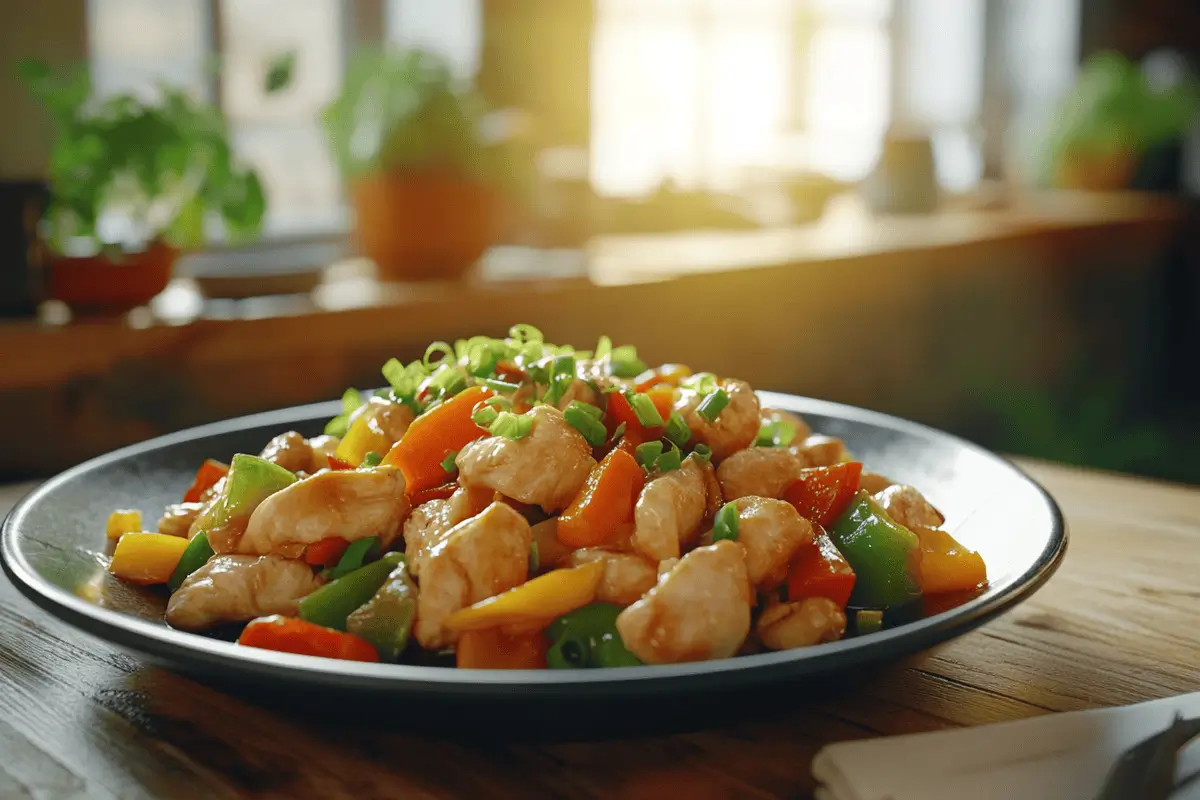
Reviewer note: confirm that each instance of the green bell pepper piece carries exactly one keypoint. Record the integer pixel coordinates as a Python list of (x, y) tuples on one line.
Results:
[(587, 638), (334, 602), (386, 619), (250, 481), (195, 556), (883, 553)]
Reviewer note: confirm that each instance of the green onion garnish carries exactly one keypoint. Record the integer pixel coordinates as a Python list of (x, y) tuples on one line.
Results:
[(502, 403), (523, 334), (702, 452), (562, 374), (645, 410), (702, 383), (438, 347), (618, 432), (448, 461), (603, 348), (371, 459), (725, 524), (484, 416), (868, 621), (405, 380), (583, 421), (351, 401), (593, 411), (504, 387), (535, 557), (625, 362), (448, 380), (775, 434), (671, 459), (678, 430), (647, 454), (712, 405), (511, 426)]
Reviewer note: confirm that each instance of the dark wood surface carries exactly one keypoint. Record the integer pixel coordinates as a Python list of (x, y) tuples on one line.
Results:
[(79, 718)]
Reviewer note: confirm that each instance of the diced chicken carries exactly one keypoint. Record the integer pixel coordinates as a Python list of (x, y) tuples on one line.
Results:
[(874, 483), (735, 428), (626, 576), (759, 472), (771, 531), (238, 589), (821, 451), (177, 518), (352, 504), (802, 431), (669, 512), (431, 522), (713, 497), (480, 558), (547, 468), (289, 450), (803, 623), (699, 610), (906, 505), (323, 447), (386, 418)]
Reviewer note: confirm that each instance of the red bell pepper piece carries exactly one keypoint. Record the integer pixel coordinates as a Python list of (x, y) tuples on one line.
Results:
[(290, 635), (337, 463), (326, 552), (820, 570), (206, 477), (821, 494)]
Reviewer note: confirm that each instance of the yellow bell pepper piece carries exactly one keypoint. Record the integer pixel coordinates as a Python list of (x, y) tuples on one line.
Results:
[(361, 438), (147, 557), (123, 521), (947, 566), (542, 599)]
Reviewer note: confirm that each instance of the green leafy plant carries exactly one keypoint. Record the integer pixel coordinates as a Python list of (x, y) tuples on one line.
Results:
[(403, 110), (165, 165)]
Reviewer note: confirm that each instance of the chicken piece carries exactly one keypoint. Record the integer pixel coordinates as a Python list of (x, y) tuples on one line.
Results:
[(431, 522), (821, 451), (713, 497), (177, 518), (323, 447), (669, 512), (352, 504), (289, 450), (906, 505), (547, 468), (771, 531), (802, 431), (626, 576), (759, 472), (737, 426), (579, 391), (238, 589), (803, 623), (874, 483), (479, 558), (386, 418), (699, 610)]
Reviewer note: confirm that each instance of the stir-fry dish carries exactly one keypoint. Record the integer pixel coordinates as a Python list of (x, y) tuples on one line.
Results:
[(513, 504)]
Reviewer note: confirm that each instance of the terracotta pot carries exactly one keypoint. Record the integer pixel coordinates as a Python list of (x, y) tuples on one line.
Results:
[(423, 226), (98, 284)]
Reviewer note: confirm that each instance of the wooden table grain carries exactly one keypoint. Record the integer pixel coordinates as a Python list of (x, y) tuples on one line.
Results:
[(1115, 625)]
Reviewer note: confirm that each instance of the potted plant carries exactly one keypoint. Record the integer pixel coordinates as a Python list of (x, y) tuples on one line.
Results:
[(132, 182), (421, 175)]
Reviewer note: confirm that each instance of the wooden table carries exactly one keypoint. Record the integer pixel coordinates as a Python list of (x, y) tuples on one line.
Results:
[(1116, 625)]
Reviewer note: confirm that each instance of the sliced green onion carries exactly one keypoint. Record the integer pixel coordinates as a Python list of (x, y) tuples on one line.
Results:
[(484, 416), (523, 334), (702, 383), (775, 434), (582, 420), (671, 459), (725, 524), (511, 426), (371, 459), (593, 411), (502, 403), (358, 553), (868, 621), (625, 362), (702, 452), (603, 348), (535, 557), (448, 380), (404, 380), (448, 461), (645, 410), (678, 430), (647, 454), (351, 401), (712, 405), (438, 347), (619, 431), (504, 387)]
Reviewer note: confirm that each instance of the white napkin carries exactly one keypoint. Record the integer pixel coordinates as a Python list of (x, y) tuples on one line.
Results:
[(1056, 757)]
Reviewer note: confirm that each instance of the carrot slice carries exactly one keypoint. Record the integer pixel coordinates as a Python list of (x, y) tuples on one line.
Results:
[(291, 635), (605, 502), (435, 434)]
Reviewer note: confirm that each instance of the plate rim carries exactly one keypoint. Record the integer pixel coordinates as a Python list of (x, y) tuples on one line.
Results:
[(181, 648)]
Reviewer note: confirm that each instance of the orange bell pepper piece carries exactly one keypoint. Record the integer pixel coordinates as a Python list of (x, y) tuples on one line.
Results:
[(325, 552), (947, 566), (542, 599), (435, 434), (820, 570), (206, 477), (821, 494), (292, 635), (494, 649), (605, 502)]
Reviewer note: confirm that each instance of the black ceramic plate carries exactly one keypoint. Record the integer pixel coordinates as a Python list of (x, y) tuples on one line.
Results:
[(53, 541)]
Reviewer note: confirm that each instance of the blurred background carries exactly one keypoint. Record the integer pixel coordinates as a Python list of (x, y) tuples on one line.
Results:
[(979, 214)]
